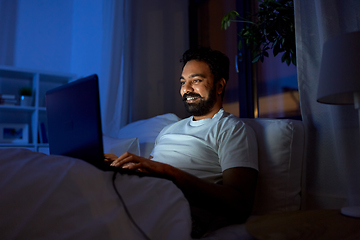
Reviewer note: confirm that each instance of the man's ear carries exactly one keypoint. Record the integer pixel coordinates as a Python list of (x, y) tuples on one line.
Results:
[(221, 86)]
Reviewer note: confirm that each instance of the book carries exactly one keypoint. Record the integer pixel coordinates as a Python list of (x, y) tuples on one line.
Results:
[(7, 96), (8, 101), (43, 133)]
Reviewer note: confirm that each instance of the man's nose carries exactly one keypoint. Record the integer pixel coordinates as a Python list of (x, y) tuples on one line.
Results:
[(186, 88)]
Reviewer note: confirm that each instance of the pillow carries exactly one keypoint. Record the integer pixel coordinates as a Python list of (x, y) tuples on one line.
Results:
[(147, 130), (118, 146), (281, 148)]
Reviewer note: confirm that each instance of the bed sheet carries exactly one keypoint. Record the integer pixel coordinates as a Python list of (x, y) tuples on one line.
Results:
[(56, 197)]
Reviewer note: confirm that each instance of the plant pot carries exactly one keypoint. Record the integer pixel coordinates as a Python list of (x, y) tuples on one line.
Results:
[(25, 101)]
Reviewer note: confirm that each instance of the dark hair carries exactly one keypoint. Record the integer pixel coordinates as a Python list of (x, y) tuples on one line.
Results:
[(216, 60)]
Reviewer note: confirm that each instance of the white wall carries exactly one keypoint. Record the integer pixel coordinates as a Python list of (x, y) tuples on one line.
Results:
[(8, 16), (87, 36), (44, 35), (59, 35)]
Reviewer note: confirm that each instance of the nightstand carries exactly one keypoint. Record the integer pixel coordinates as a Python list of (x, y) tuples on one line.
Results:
[(312, 224)]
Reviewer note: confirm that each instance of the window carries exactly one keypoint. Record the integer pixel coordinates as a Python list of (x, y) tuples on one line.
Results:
[(266, 90)]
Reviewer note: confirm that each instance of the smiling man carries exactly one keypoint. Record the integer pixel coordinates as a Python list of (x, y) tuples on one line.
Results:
[(212, 155)]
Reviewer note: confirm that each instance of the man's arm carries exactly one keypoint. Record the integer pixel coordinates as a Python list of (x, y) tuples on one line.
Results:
[(233, 199)]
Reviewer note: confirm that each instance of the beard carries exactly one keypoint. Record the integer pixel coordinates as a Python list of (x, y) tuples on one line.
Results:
[(203, 106)]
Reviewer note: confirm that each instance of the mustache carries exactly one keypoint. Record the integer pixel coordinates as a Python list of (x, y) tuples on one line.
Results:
[(186, 95)]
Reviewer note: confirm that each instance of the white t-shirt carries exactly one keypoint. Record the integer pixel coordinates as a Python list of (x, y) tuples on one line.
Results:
[(205, 148)]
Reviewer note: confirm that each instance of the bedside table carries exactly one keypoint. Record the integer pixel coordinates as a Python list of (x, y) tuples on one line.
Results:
[(312, 224)]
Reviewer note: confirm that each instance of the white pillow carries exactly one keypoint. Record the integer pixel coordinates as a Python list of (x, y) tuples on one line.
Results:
[(118, 146), (281, 148), (147, 130)]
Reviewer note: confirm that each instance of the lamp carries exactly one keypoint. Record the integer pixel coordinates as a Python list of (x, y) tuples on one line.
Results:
[(339, 81)]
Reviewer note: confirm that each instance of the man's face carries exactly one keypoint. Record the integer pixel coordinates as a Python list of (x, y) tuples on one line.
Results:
[(197, 88)]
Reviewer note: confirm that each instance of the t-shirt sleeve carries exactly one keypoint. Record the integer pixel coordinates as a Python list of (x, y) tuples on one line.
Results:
[(238, 147)]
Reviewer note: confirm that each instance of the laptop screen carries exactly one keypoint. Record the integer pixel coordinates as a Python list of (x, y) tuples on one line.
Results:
[(74, 120)]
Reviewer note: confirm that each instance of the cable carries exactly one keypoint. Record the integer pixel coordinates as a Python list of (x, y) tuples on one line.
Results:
[(126, 209)]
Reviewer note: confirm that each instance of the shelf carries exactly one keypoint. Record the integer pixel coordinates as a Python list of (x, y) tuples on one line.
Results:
[(16, 108), (10, 72), (21, 73), (11, 81), (43, 145), (17, 145)]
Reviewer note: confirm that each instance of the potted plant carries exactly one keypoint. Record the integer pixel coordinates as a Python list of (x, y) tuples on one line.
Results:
[(25, 96), (272, 27)]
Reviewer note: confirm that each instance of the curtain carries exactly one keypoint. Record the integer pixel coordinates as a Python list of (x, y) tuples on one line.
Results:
[(332, 132), (160, 37), (115, 78), (143, 42)]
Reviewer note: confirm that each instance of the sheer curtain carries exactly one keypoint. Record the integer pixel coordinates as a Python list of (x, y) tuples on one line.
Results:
[(143, 42), (332, 132), (115, 84), (160, 37)]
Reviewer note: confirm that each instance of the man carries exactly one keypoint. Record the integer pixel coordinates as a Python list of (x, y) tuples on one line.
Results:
[(212, 155)]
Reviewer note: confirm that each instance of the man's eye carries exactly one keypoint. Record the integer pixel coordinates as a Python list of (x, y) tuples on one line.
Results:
[(196, 80), (182, 83)]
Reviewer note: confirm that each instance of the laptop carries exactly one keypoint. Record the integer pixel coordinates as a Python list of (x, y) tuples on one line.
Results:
[(74, 124), (74, 121)]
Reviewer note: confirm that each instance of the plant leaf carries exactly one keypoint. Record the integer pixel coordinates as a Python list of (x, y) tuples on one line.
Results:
[(293, 59), (240, 45), (226, 20), (256, 58), (273, 28)]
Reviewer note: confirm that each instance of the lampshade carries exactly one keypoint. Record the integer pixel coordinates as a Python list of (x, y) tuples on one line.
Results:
[(340, 70)]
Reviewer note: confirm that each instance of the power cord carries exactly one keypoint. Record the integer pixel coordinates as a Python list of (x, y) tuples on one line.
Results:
[(126, 209)]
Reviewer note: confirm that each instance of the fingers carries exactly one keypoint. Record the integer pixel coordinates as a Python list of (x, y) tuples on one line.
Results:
[(129, 165), (132, 162), (108, 157), (124, 159)]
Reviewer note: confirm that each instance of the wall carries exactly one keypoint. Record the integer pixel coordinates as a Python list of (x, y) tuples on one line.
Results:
[(44, 35), (8, 17), (59, 35), (87, 37)]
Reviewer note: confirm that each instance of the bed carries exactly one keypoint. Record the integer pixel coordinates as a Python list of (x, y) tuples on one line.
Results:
[(56, 197)]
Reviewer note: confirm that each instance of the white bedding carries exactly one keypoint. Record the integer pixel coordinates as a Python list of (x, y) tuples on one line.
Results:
[(53, 197), (56, 197)]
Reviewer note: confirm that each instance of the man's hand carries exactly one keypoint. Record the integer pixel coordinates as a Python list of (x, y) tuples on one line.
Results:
[(134, 162)]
